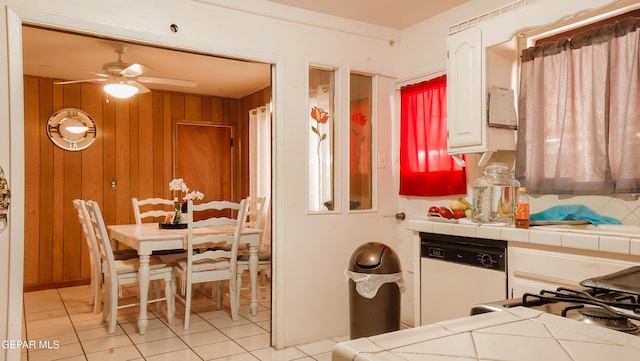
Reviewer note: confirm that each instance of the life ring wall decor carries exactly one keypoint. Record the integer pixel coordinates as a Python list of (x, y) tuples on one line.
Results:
[(5, 200), (71, 129)]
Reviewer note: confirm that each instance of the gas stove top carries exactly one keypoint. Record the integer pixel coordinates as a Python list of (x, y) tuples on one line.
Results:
[(616, 310)]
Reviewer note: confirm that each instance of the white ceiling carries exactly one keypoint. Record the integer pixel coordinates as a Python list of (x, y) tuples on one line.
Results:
[(66, 56), (397, 14), (60, 55)]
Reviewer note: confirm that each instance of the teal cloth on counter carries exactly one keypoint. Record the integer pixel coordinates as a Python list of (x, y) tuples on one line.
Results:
[(572, 212)]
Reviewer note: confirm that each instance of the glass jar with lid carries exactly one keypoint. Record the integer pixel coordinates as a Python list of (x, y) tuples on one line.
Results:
[(494, 195)]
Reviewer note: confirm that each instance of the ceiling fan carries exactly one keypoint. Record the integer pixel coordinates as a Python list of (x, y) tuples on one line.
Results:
[(126, 76)]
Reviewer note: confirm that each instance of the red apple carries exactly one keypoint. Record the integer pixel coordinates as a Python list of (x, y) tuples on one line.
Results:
[(434, 211), (458, 214), (445, 213)]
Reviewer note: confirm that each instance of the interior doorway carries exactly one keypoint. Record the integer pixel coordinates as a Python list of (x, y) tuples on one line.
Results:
[(171, 104)]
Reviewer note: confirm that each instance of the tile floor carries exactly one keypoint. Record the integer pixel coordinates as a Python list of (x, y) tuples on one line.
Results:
[(65, 328)]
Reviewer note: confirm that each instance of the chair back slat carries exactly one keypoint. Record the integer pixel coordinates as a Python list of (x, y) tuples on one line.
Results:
[(150, 208), (102, 237)]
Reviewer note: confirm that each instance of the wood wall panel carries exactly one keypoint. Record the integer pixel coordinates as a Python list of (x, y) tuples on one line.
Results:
[(134, 145)]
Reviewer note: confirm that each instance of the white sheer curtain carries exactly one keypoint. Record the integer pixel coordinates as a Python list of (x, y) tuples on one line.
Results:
[(260, 152), (260, 157), (579, 113)]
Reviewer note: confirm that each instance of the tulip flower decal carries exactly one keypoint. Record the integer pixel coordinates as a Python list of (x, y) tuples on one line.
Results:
[(321, 117)]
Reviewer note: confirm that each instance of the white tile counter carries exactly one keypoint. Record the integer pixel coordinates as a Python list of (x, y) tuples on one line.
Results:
[(606, 241), (515, 334)]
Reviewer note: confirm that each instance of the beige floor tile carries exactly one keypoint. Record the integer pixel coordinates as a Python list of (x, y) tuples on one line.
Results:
[(224, 322), (195, 326), (152, 334), (323, 356), (118, 354), (132, 327), (45, 328), (181, 355), (242, 331), (204, 338), (256, 342), (46, 314), (90, 324), (318, 347), (95, 333), (161, 346), (265, 325), (106, 343), (219, 350), (270, 354)]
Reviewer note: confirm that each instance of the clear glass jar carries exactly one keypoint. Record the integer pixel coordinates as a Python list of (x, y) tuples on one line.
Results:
[(495, 195)]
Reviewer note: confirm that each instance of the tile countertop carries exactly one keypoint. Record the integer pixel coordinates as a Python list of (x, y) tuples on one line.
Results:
[(592, 240), (515, 334)]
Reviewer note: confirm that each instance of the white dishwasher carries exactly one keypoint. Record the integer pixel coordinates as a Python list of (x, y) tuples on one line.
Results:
[(457, 273)]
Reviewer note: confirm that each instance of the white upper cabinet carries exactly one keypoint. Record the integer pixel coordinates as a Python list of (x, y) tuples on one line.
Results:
[(472, 69), (464, 89)]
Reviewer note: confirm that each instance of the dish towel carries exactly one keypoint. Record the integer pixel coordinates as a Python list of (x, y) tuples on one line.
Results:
[(572, 212)]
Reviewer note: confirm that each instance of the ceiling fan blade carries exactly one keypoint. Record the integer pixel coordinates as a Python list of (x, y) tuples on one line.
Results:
[(141, 88), (74, 70), (79, 81), (135, 70), (166, 81)]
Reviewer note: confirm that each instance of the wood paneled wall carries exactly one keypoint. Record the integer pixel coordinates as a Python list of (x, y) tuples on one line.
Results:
[(133, 146)]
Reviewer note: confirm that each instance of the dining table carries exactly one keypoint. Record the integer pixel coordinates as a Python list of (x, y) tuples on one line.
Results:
[(148, 237)]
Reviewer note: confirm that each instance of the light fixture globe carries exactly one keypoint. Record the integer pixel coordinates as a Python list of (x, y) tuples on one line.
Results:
[(120, 90)]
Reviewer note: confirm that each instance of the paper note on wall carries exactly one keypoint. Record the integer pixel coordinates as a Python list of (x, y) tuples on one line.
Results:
[(502, 111)]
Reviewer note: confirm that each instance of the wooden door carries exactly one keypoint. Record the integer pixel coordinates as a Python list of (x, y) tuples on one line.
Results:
[(204, 159)]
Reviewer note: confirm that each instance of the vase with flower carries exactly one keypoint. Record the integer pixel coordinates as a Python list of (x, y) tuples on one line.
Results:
[(179, 187)]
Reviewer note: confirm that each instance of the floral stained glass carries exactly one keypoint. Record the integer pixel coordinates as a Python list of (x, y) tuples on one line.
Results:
[(360, 160), (321, 140)]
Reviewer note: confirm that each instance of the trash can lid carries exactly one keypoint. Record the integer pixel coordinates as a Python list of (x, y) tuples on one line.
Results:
[(374, 257)]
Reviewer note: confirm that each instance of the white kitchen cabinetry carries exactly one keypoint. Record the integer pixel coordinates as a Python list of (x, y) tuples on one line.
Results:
[(533, 268), (464, 89)]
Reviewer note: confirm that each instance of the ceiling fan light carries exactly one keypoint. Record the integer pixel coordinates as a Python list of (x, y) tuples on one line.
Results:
[(120, 90)]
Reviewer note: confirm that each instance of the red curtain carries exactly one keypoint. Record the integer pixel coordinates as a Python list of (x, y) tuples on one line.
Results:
[(426, 168)]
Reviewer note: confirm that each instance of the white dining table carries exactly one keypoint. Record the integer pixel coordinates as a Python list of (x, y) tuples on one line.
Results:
[(148, 237)]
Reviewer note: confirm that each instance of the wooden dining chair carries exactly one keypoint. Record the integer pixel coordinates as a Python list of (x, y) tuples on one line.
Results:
[(123, 272), (260, 218), (95, 297), (209, 265), (150, 208)]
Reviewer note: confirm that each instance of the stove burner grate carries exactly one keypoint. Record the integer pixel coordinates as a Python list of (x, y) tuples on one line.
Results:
[(602, 317), (594, 306)]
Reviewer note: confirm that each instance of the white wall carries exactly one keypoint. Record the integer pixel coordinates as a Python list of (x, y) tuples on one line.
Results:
[(311, 251)]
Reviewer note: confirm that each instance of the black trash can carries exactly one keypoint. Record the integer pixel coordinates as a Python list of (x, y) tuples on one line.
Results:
[(375, 282)]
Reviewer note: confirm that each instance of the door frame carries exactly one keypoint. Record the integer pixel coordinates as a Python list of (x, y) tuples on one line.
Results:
[(16, 17)]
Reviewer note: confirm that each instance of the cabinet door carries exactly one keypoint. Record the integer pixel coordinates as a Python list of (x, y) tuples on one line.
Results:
[(464, 89)]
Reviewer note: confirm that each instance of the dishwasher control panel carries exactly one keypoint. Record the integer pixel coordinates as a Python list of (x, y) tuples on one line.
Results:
[(469, 251)]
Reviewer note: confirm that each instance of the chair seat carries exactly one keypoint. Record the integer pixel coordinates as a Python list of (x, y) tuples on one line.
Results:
[(132, 265), (123, 254), (262, 256), (202, 265)]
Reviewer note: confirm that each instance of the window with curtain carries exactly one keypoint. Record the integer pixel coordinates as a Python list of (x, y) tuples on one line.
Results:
[(579, 109), (426, 168)]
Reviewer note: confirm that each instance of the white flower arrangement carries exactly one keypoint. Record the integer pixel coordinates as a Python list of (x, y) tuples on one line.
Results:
[(193, 195), (178, 185)]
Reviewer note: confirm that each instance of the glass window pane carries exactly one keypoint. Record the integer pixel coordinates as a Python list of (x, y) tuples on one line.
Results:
[(360, 160), (321, 139)]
